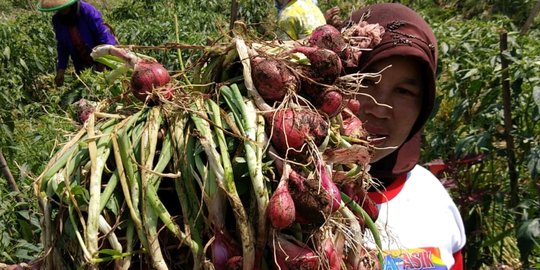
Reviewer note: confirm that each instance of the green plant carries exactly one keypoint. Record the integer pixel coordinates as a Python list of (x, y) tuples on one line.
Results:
[(470, 105), (20, 228), (36, 117)]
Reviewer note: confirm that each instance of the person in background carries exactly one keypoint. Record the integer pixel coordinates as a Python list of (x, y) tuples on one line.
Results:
[(298, 18), (78, 27), (279, 6), (420, 225)]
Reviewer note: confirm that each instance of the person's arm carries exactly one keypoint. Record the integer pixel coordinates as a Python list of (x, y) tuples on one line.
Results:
[(62, 54), (61, 47), (59, 78)]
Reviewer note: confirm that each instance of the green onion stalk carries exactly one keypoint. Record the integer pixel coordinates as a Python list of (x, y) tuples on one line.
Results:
[(222, 168), (242, 50), (150, 217), (113, 181), (72, 203), (60, 159), (106, 229), (43, 186), (116, 64), (246, 116), (369, 222), (126, 175), (98, 157), (184, 186), (214, 191), (159, 207), (217, 186)]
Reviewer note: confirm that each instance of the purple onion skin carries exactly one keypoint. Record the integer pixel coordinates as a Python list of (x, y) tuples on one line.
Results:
[(281, 210)]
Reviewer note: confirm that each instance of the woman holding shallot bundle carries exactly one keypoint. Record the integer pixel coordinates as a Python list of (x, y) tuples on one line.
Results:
[(420, 225)]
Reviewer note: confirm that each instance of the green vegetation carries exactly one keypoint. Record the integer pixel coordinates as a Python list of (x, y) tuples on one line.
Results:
[(502, 220), (494, 211)]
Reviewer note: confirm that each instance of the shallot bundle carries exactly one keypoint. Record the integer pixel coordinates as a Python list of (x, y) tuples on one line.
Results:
[(266, 171)]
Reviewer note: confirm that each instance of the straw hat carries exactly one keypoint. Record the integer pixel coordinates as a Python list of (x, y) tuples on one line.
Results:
[(54, 5)]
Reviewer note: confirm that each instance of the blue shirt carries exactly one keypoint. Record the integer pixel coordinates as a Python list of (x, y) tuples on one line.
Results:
[(92, 32)]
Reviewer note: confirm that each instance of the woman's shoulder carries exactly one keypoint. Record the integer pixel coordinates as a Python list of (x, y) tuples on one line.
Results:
[(423, 173), (87, 8), (420, 177)]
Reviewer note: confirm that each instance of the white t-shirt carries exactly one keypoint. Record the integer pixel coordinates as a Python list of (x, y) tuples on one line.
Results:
[(419, 224)]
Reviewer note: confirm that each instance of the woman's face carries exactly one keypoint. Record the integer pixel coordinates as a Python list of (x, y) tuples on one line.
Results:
[(399, 94)]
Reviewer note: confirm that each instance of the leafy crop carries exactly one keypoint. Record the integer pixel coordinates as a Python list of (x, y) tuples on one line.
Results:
[(471, 105), (36, 117), (20, 228)]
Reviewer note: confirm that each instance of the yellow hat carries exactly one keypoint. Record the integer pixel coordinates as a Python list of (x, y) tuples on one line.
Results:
[(54, 5)]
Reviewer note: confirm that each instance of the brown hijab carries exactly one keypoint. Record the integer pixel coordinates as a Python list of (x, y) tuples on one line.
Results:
[(406, 34)]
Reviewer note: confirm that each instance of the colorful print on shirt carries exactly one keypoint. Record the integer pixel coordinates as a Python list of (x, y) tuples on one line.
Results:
[(409, 259)]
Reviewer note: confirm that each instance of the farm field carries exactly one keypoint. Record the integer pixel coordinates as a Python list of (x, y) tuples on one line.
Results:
[(484, 138)]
